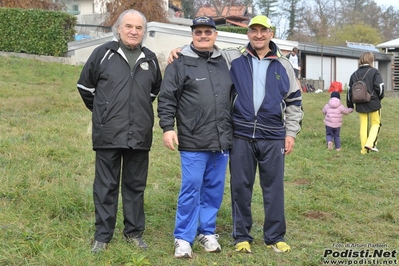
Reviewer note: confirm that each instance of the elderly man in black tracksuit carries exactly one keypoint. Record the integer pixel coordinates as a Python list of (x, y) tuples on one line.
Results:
[(196, 93), (118, 84)]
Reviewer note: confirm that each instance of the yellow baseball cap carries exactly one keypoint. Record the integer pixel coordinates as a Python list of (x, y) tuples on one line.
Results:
[(261, 20)]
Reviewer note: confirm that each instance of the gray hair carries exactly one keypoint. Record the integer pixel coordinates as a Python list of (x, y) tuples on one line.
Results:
[(119, 21)]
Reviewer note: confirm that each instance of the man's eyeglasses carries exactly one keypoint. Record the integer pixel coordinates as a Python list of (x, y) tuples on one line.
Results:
[(207, 32), (263, 31)]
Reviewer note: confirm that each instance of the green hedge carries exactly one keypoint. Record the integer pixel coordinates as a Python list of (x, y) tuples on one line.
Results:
[(232, 29), (36, 31), (239, 30)]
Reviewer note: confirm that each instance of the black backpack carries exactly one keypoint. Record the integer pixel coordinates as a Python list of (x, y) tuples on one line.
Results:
[(360, 93)]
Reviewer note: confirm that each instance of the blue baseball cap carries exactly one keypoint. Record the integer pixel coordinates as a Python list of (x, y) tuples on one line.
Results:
[(203, 21)]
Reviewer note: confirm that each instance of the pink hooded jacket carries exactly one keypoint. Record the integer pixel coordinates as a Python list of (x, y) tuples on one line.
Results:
[(333, 111)]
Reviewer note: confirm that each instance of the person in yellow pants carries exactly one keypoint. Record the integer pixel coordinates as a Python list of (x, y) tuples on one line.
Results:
[(369, 112), (370, 124)]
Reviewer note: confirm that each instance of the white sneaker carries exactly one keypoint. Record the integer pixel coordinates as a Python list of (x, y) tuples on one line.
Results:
[(182, 249), (209, 242), (371, 148)]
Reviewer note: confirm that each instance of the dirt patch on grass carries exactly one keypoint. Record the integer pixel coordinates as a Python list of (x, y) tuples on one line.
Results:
[(318, 215), (300, 182)]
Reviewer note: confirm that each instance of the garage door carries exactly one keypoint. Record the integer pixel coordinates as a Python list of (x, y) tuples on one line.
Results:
[(319, 68)]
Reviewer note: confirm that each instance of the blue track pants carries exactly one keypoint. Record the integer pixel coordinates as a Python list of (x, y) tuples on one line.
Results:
[(201, 193)]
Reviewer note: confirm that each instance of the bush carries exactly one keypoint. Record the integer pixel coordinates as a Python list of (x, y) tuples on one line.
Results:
[(239, 30), (36, 31), (232, 29)]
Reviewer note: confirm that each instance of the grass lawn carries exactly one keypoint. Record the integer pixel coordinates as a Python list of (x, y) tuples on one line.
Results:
[(335, 201)]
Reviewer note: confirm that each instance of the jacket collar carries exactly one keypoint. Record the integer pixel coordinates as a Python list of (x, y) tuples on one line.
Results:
[(114, 46)]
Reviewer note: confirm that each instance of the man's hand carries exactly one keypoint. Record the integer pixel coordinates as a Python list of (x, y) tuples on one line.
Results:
[(289, 144), (169, 138), (173, 54)]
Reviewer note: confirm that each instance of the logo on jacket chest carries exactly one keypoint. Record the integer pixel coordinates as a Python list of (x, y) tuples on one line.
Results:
[(144, 66)]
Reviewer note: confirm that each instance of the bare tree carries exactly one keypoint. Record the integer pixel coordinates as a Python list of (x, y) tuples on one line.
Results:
[(389, 23), (221, 5), (321, 21), (354, 11), (152, 9)]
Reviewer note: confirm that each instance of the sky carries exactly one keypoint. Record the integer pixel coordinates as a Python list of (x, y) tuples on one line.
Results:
[(387, 3)]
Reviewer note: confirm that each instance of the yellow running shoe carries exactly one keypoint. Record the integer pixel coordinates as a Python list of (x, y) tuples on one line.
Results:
[(243, 247), (280, 247)]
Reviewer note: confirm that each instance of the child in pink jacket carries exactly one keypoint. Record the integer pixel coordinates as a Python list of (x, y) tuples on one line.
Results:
[(333, 111)]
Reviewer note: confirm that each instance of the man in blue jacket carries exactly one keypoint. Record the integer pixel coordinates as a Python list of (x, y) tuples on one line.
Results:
[(266, 119), (118, 83)]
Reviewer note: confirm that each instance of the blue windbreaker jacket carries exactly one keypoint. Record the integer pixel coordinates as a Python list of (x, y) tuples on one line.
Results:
[(280, 114)]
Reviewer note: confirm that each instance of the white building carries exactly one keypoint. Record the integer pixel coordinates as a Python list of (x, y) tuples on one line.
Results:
[(90, 7)]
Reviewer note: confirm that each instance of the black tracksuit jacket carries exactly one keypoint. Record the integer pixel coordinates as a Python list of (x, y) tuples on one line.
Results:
[(120, 99)]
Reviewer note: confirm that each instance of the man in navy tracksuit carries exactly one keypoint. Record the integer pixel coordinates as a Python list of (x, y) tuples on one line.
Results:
[(266, 119)]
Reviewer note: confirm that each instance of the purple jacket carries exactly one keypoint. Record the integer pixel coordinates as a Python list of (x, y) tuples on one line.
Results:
[(333, 111)]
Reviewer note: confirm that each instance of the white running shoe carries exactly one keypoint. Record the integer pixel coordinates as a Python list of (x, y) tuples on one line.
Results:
[(209, 242), (182, 249), (372, 148)]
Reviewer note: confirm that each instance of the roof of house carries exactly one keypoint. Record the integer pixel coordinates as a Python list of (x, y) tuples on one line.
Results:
[(236, 23), (174, 7), (227, 11), (342, 51), (234, 15), (362, 46), (390, 44)]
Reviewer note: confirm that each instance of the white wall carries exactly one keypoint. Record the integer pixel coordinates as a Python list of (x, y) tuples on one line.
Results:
[(345, 68), (319, 68), (86, 7)]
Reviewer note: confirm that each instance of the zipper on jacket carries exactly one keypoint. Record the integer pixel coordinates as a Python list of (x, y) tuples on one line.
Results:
[(233, 102), (255, 122), (132, 74), (249, 58)]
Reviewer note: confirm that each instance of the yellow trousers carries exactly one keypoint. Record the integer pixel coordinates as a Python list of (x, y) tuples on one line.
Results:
[(370, 124)]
